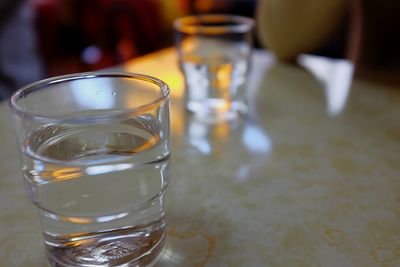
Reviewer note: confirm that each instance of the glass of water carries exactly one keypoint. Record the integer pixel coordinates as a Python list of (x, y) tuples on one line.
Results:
[(95, 153), (214, 54)]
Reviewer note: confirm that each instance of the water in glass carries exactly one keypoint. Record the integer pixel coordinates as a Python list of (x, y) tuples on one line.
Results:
[(100, 190)]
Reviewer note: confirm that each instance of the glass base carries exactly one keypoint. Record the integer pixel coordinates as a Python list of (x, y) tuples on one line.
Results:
[(125, 250)]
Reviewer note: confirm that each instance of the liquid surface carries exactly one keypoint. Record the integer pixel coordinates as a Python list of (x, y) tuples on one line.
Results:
[(100, 190)]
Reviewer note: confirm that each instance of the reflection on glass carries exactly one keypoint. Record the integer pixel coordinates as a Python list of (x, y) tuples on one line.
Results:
[(336, 75), (85, 91)]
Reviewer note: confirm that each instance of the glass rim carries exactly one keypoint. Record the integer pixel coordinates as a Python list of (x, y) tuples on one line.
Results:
[(42, 84), (187, 24)]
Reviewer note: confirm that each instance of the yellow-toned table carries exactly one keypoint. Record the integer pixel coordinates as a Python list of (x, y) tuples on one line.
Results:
[(310, 178)]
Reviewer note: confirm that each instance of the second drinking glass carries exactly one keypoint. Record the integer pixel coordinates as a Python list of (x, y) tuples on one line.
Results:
[(214, 54)]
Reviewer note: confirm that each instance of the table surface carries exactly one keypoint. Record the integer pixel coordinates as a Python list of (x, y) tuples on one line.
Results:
[(310, 178)]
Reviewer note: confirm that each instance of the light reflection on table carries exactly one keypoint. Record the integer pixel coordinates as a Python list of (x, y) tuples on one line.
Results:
[(336, 75)]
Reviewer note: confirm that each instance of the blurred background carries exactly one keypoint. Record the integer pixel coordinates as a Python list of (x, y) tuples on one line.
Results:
[(42, 38)]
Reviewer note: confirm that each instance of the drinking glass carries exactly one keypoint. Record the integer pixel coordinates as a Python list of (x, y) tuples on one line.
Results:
[(95, 160), (214, 56)]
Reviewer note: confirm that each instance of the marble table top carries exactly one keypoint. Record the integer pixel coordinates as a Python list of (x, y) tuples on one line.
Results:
[(310, 178)]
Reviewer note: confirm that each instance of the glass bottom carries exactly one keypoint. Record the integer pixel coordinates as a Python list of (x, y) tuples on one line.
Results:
[(136, 247)]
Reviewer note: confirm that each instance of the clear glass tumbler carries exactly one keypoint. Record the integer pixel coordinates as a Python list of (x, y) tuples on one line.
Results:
[(95, 153), (214, 54)]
